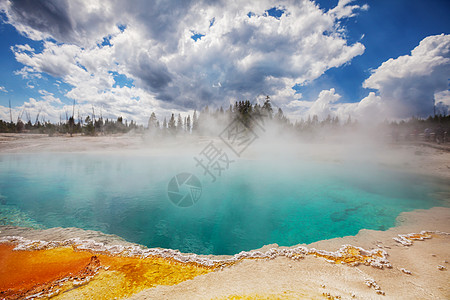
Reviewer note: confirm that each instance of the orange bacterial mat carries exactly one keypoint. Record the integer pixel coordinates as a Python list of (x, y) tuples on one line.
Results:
[(67, 273)]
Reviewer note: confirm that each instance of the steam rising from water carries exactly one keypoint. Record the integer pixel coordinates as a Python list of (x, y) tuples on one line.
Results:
[(277, 191)]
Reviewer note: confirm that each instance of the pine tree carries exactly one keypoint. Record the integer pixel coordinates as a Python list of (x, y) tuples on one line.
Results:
[(336, 121), (279, 116), (267, 107), (152, 121), (179, 123), (172, 126), (230, 112), (315, 120), (349, 120), (188, 124), (194, 121)]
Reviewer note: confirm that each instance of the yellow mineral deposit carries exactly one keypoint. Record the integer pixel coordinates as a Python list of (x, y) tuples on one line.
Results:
[(70, 270), (66, 273)]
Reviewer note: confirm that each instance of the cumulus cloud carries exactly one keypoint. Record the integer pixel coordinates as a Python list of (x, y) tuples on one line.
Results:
[(67, 21), (406, 86), (371, 109), (50, 108), (323, 106), (442, 100), (3, 89), (243, 52), (32, 109)]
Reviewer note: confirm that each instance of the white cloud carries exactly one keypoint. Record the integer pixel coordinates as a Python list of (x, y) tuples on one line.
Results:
[(3, 89), (443, 97), (74, 21), (56, 60), (22, 48), (370, 109), (239, 56), (408, 83), (32, 108), (345, 10), (442, 100), (406, 86), (30, 85), (49, 97), (28, 73), (324, 105), (300, 104)]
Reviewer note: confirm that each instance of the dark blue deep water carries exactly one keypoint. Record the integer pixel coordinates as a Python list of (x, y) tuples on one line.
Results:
[(252, 204)]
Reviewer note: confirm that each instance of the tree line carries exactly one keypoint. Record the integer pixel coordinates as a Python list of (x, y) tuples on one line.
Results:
[(208, 121), (88, 126)]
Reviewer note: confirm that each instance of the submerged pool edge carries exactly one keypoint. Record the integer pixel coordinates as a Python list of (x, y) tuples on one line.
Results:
[(295, 225), (55, 235)]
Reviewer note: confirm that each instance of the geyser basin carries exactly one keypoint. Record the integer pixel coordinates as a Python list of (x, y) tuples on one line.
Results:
[(254, 202)]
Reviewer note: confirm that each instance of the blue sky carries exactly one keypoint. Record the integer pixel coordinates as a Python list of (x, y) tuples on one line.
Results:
[(390, 29), (133, 58)]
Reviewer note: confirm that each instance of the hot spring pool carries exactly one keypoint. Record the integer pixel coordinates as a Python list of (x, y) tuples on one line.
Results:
[(252, 204)]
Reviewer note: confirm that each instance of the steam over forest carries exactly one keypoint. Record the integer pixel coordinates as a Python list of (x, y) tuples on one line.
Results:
[(434, 128)]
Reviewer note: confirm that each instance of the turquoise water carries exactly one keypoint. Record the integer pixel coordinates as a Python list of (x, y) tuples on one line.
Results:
[(252, 204)]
